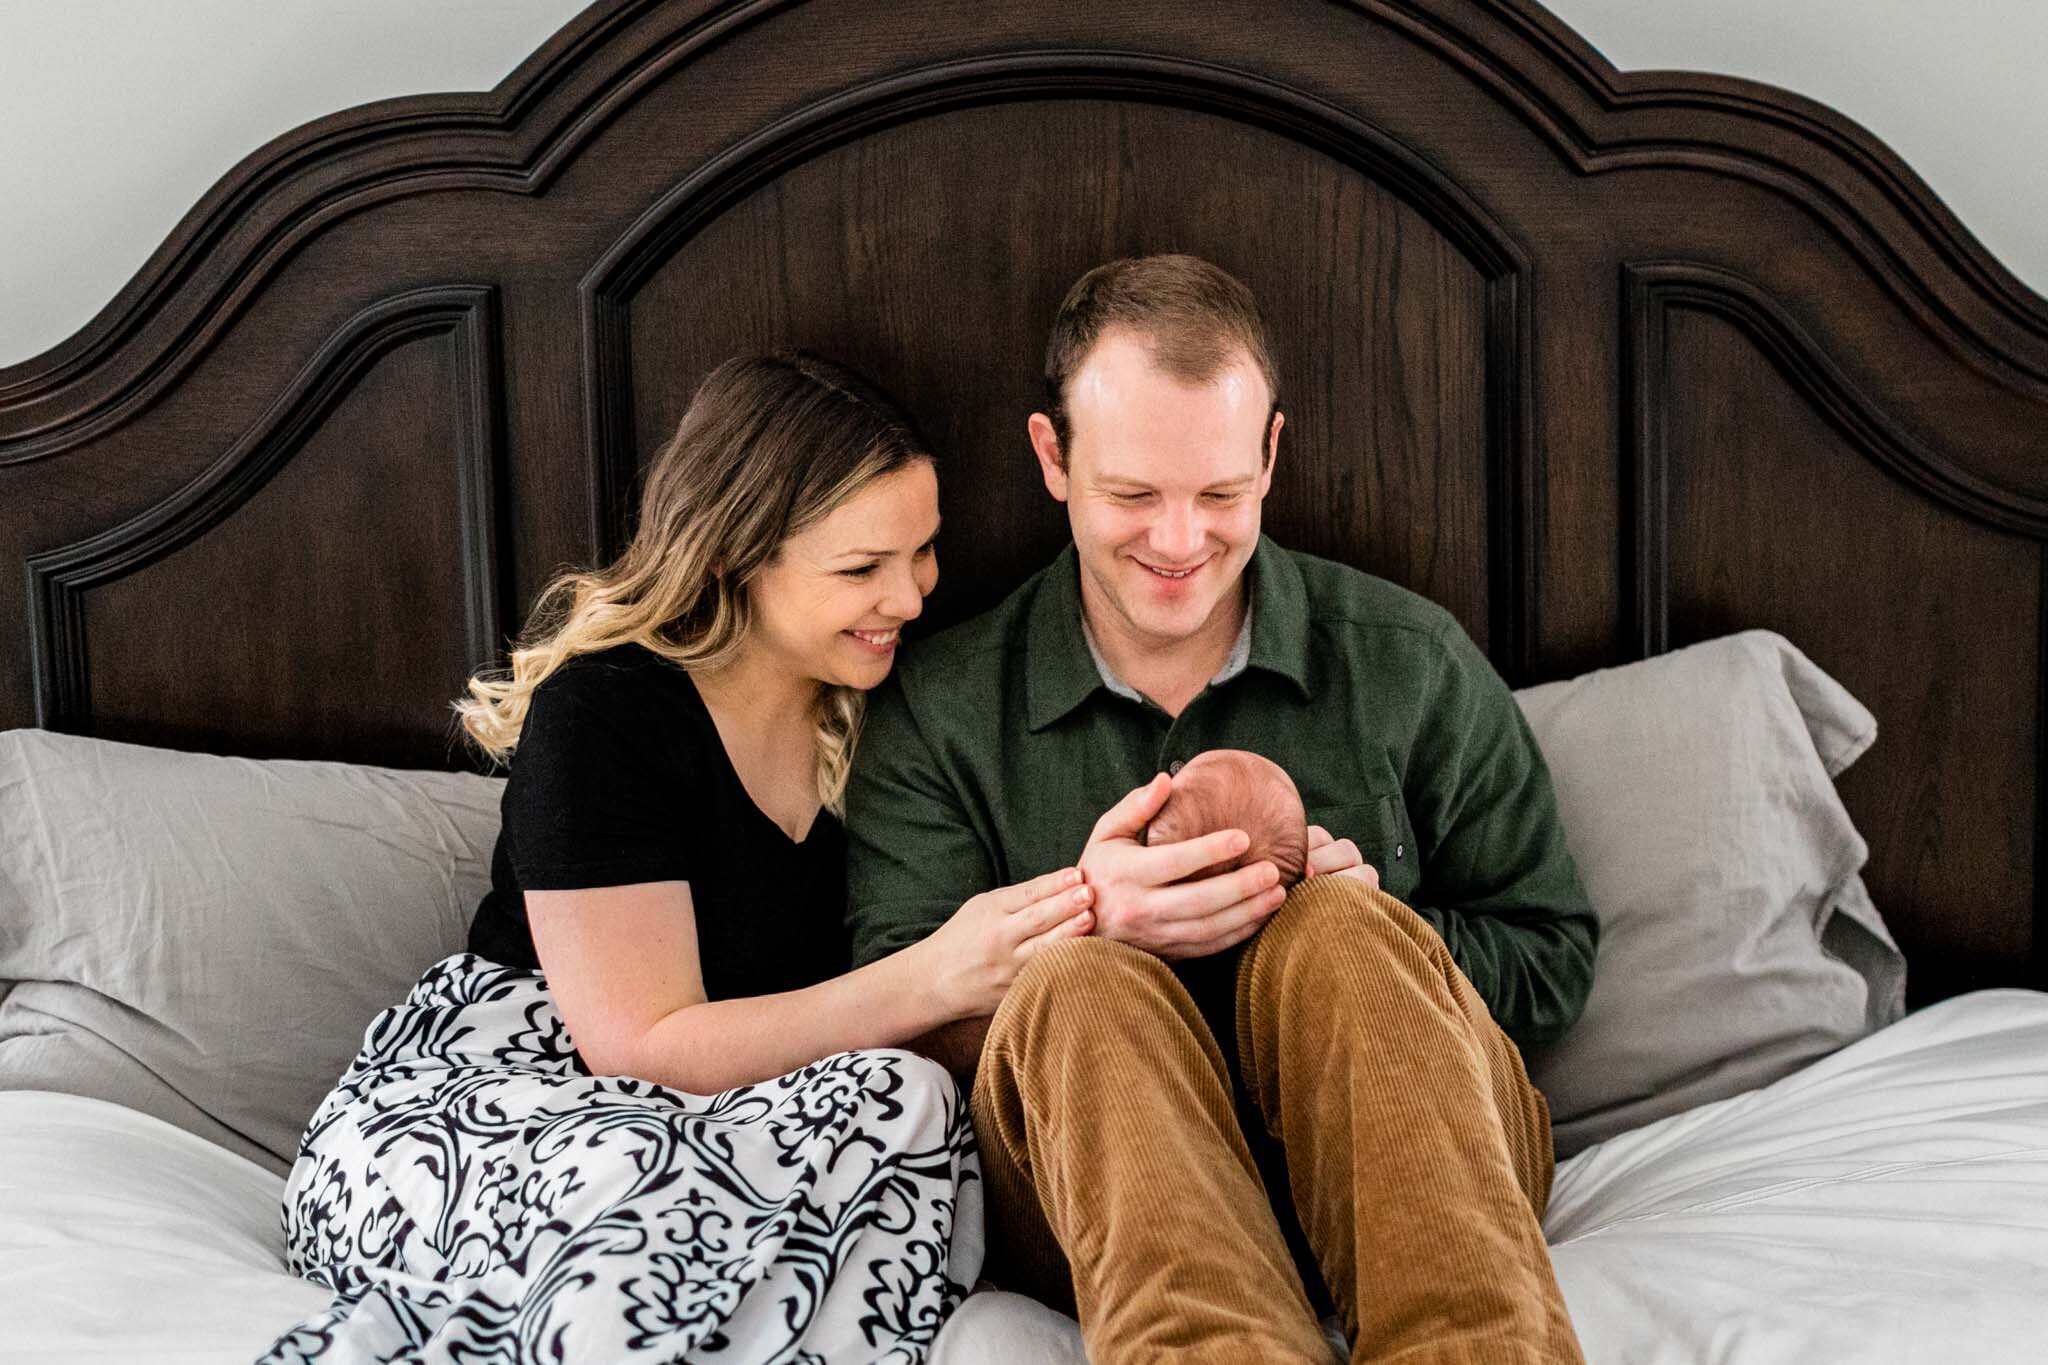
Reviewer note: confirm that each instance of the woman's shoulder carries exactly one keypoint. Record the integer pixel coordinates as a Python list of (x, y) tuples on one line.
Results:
[(623, 670), (627, 689)]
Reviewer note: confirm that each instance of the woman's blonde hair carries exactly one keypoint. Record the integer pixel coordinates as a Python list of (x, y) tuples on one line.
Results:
[(769, 446)]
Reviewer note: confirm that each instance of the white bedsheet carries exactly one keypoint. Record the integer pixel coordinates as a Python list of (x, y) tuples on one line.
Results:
[(1888, 1204)]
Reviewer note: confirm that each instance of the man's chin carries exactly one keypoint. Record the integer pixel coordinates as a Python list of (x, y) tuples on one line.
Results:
[(1170, 627), (1132, 596)]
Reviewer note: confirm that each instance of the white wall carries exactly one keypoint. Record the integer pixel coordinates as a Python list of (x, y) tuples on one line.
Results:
[(116, 115), (1958, 88)]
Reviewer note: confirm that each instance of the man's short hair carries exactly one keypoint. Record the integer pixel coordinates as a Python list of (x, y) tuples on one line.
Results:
[(1194, 316)]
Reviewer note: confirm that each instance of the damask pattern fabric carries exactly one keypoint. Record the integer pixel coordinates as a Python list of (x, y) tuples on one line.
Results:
[(471, 1193)]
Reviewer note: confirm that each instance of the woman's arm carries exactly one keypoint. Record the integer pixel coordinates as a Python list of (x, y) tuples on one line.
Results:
[(622, 963)]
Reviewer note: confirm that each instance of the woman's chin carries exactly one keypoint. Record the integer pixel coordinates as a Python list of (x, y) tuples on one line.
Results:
[(861, 663), (864, 676)]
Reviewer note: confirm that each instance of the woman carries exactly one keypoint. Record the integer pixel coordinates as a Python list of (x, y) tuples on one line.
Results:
[(728, 1163)]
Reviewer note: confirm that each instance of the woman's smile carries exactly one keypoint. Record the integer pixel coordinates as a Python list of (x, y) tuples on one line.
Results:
[(874, 641)]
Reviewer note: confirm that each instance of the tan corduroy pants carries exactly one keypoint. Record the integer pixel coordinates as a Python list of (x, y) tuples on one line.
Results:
[(1120, 1183)]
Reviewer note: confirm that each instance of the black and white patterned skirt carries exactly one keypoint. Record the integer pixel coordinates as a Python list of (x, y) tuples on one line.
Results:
[(471, 1193)]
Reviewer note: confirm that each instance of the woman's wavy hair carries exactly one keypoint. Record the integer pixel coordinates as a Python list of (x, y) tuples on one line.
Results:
[(769, 446)]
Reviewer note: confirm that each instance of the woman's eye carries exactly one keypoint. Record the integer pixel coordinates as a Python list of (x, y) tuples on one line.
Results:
[(862, 572), (928, 549)]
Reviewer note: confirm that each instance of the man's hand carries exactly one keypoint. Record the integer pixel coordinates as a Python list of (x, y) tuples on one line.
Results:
[(1337, 857), (1136, 901)]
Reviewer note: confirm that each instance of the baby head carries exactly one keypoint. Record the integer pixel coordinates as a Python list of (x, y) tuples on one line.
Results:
[(1234, 789)]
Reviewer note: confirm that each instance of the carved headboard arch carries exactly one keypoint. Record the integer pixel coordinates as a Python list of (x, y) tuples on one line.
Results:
[(929, 92), (1605, 362)]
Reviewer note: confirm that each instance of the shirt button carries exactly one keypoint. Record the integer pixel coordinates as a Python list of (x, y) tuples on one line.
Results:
[(1174, 767), (1399, 849)]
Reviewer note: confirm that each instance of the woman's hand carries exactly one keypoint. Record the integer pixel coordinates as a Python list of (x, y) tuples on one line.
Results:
[(973, 957)]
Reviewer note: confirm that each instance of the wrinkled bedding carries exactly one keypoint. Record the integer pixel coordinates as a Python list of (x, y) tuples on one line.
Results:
[(1887, 1204)]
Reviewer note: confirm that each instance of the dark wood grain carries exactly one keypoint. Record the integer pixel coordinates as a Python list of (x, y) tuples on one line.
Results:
[(1386, 450), (1605, 362), (1778, 521), (362, 503)]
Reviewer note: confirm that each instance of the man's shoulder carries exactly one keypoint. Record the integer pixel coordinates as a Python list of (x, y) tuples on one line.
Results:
[(1340, 595), (974, 649)]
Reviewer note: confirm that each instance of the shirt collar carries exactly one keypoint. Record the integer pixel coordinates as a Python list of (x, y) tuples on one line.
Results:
[(1240, 655), (1279, 615), (1064, 669)]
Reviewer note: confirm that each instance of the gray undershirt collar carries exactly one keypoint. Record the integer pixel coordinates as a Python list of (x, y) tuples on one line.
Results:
[(1240, 656)]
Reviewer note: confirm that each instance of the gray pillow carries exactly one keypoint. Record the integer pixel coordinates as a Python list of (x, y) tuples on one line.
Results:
[(205, 939), (1737, 942)]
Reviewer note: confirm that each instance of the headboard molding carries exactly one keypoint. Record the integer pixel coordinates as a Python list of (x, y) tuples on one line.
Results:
[(1605, 362), (59, 579), (1605, 119), (1650, 288), (606, 292), (516, 137), (512, 139)]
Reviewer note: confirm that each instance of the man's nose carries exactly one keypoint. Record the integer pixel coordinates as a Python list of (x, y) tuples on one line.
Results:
[(1178, 534)]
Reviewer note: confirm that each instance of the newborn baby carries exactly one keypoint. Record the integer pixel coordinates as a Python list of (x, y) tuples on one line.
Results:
[(1235, 789)]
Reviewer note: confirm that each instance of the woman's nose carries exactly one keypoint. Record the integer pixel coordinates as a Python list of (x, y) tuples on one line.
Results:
[(903, 599)]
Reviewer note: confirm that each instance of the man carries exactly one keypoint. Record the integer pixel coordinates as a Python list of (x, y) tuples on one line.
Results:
[(1142, 1089)]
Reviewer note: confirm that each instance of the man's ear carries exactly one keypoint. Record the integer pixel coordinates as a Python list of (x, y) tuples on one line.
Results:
[(1045, 443), (1272, 452)]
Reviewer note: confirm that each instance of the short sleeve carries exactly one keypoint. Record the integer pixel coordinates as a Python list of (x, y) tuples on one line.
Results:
[(591, 800)]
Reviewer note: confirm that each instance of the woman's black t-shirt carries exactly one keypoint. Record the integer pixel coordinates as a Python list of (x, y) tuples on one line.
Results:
[(619, 778)]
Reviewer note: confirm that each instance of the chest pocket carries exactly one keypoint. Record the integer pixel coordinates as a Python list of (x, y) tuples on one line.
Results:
[(1380, 829)]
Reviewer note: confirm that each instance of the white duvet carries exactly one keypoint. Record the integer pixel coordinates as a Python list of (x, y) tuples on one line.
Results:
[(1888, 1204)]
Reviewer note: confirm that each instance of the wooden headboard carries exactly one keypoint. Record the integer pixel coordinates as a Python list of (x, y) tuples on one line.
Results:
[(1607, 363)]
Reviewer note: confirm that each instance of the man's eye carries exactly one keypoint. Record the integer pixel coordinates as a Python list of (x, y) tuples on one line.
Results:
[(1224, 498), (1129, 497)]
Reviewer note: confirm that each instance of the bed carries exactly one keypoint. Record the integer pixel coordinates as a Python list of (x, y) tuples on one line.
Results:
[(1709, 422)]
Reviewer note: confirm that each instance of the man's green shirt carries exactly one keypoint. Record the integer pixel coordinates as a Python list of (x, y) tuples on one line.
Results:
[(988, 755)]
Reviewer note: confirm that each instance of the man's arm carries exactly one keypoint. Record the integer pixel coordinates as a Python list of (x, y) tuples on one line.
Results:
[(1497, 882), (912, 855)]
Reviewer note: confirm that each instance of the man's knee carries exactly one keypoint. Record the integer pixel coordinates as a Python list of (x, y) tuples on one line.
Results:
[(1080, 990), (1331, 913), (1082, 966)]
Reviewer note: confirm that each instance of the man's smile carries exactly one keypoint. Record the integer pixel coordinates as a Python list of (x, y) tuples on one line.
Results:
[(1167, 572)]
